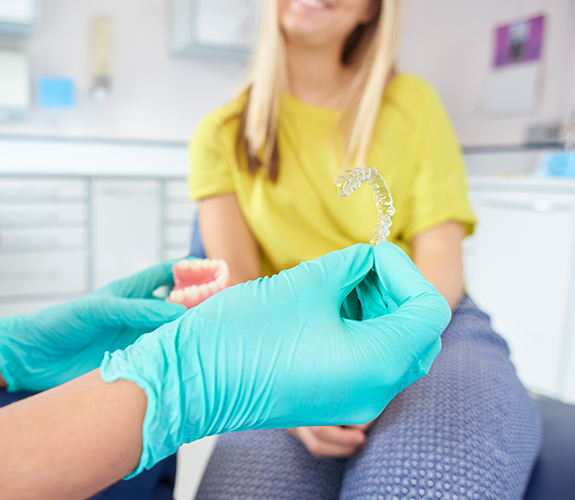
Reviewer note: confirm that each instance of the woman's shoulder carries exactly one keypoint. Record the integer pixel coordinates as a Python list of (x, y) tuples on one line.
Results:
[(223, 120), (409, 90), (411, 99)]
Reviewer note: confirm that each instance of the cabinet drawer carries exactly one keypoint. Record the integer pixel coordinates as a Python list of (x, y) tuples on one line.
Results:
[(22, 189), (43, 273), (181, 212), (47, 214), (176, 191), (15, 240)]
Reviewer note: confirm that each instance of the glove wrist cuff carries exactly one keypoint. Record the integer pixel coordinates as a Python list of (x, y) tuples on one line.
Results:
[(169, 420), (113, 369)]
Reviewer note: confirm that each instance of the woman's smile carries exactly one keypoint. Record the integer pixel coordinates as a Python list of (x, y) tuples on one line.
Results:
[(322, 22), (314, 4)]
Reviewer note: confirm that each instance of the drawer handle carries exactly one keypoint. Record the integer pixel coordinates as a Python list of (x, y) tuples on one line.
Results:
[(26, 193), (24, 241), (26, 274), (534, 206), (28, 216), (127, 191)]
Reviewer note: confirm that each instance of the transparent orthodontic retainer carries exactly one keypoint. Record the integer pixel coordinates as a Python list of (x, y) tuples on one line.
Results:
[(350, 180)]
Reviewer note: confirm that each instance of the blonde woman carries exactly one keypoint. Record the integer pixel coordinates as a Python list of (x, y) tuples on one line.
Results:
[(323, 96)]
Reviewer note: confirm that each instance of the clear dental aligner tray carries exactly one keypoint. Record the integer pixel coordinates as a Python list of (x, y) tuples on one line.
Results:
[(350, 180)]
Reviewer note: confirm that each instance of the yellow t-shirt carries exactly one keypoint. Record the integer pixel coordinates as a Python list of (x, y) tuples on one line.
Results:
[(300, 217)]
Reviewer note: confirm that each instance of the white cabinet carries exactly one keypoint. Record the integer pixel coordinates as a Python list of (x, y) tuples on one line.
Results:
[(60, 238), (18, 17), (178, 216), (33, 274), (43, 240), (520, 271), (136, 224), (126, 228)]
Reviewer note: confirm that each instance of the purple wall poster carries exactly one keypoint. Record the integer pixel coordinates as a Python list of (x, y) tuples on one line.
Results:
[(519, 42)]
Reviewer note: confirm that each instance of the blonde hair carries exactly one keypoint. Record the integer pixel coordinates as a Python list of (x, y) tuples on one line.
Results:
[(370, 48)]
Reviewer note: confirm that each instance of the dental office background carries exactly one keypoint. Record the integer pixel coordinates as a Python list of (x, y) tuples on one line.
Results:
[(99, 97)]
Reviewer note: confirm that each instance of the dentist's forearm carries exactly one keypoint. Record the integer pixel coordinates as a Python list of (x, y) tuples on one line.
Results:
[(71, 441), (3, 383)]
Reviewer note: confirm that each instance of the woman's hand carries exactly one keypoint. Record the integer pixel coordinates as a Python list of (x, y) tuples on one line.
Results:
[(335, 441)]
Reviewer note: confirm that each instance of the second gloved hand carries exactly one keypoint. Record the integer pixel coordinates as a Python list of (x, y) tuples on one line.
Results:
[(276, 353), (54, 345)]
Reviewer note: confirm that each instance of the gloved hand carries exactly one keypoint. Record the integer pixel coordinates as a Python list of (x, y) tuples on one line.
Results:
[(276, 353), (54, 345), (395, 277)]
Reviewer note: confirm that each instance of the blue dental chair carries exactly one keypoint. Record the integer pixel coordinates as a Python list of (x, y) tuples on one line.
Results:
[(553, 477)]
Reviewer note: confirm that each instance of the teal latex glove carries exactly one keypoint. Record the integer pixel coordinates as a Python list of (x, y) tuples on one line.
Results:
[(276, 353), (54, 345)]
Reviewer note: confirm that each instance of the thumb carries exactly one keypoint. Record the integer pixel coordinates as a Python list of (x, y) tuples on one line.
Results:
[(146, 314), (422, 313), (334, 275), (398, 274)]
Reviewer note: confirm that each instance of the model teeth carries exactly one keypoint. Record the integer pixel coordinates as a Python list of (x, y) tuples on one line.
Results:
[(213, 272), (177, 296), (194, 291)]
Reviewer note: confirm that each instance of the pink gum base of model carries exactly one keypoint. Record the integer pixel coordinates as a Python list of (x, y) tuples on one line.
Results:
[(197, 280)]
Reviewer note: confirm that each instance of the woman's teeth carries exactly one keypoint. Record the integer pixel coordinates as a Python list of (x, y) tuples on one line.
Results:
[(314, 4)]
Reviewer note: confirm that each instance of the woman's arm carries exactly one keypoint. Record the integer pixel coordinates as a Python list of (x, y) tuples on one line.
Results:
[(71, 441), (437, 254), (226, 235)]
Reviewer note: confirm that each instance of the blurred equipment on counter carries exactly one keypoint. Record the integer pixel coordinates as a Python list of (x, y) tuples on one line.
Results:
[(56, 92), (556, 164), (101, 58)]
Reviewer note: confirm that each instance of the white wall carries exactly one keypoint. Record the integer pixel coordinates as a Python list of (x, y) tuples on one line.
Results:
[(450, 42), (154, 96), (160, 97)]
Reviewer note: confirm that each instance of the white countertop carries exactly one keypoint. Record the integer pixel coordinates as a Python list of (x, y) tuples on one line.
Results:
[(91, 158), (521, 183), (102, 158)]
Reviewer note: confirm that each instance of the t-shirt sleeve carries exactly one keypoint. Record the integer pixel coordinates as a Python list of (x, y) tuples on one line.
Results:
[(439, 190), (209, 172)]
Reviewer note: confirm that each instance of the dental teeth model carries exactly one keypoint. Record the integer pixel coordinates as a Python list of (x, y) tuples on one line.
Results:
[(350, 180), (196, 280)]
